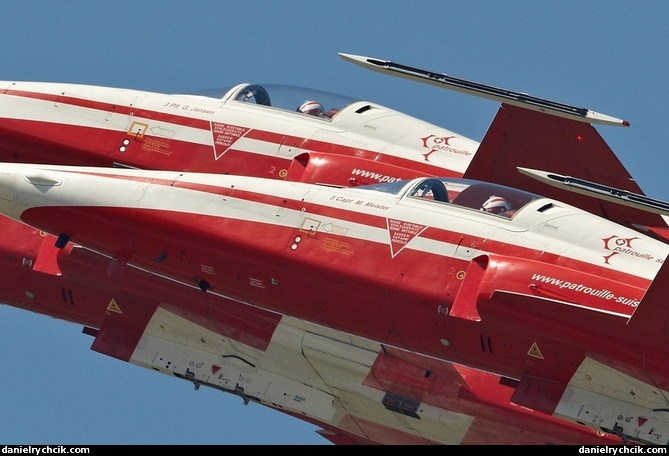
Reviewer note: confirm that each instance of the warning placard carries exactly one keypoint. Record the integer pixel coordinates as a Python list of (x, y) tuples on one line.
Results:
[(225, 135), (401, 233)]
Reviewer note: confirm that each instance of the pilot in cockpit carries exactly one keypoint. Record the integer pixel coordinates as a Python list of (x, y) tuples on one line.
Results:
[(314, 108), (311, 107), (497, 205)]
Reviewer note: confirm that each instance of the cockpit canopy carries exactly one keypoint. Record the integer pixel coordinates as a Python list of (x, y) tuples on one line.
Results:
[(285, 97), (481, 196)]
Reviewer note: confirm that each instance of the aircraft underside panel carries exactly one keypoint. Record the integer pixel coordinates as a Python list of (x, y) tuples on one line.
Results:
[(300, 372), (345, 367), (615, 402), (173, 345)]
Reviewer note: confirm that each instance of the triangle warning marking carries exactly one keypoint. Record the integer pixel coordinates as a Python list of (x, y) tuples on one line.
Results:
[(225, 135), (642, 420), (215, 368), (113, 307), (401, 233), (535, 352)]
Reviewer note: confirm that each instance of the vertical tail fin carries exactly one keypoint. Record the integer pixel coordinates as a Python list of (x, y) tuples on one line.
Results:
[(650, 319)]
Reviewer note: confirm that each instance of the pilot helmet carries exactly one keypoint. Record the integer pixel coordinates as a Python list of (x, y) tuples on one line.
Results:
[(311, 107), (496, 205)]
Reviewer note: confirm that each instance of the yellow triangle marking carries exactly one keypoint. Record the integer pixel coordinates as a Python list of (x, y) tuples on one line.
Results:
[(534, 351), (113, 307)]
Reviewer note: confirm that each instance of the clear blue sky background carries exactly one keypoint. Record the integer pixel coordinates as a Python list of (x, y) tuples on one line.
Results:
[(608, 56)]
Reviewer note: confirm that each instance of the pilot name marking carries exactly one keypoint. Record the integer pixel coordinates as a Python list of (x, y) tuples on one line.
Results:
[(358, 202), (188, 108), (375, 205), (201, 110)]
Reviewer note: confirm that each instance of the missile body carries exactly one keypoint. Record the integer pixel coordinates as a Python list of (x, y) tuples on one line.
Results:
[(519, 99)]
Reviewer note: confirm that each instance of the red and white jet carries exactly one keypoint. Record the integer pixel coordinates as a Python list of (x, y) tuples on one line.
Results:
[(457, 300)]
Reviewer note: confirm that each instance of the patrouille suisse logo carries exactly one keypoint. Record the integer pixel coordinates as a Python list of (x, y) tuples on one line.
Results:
[(619, 245), (440, 143)]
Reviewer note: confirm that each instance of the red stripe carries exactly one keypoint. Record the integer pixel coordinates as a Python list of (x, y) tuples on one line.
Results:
[(112, 107), (368, 154)]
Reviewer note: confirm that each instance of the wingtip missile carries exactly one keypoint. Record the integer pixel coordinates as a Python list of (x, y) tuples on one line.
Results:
[(365, 62), (599, 191), (519, 99)]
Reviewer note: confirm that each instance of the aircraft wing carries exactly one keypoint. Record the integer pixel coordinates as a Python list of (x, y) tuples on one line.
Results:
[(357, 391), (520, 137)]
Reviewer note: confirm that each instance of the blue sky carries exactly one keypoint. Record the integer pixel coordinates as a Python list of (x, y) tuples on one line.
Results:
[(608, 56)]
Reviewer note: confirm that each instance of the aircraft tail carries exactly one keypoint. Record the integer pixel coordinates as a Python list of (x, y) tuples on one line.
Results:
[(651, 317), (525, 138)]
